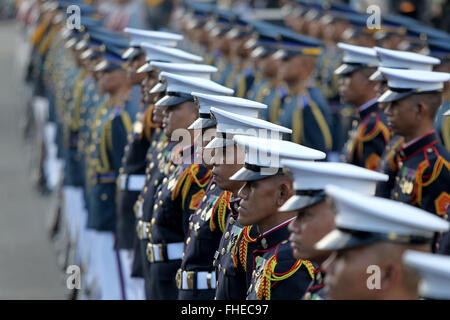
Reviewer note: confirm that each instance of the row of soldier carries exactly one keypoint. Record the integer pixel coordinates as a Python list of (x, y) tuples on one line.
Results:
[(167, 194)]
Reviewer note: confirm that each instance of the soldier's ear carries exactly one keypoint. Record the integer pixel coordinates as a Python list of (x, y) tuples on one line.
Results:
[(285, 192)]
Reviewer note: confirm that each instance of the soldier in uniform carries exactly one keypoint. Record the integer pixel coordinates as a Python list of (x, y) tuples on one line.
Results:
[(371, 231), (302, 107), (180, 192), (272, 271), (132, 174), (403, 60), (227, 160), (433, 271), (158, 158), (196, 278), (370, 134), (265, 86), (418, 170), (242, 77), (109, 137), (315, 217), (221, 24)]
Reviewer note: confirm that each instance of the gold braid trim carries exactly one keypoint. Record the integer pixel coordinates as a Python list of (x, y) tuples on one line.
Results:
[(275, 110), (47, 41), (105, 144), (321, 122), (243, 247), (440, 163), (78, 98), (269, 275), (298, 135), (126, 120), (379, 128), (39, 33), (148, 123), (176, 190), (221, 206), (242, 86)]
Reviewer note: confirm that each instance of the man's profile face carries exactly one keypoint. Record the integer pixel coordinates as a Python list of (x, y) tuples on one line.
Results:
[(201, 139), (311, 225), (400, 116), (226, 162), (352, 86), (258, 201), (179, 116), (346, 274)]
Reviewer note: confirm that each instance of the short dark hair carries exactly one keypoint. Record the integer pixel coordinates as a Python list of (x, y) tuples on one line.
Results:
[(432, 99)]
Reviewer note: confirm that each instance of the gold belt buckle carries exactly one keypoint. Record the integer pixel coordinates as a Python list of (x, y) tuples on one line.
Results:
[(190, 280), (150, 256), (178, 278)]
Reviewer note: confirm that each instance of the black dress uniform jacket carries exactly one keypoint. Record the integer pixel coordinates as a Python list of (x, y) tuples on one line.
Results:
[(420, 176), (231, 278), (176, 200), (368, 139), (133, 163), (159, 168), (316, 289), (206, 228), (272, 270)]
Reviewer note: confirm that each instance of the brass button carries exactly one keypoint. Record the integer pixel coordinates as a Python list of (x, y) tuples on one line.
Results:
[(223, 251), (164, 180), (152, 165), (188, 240), (104, 197), (145, 189), (231, 220), (155, 207), (213, 187), (153, 220), (161, 202), (156, 182), (159, 194), (227, 235)]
